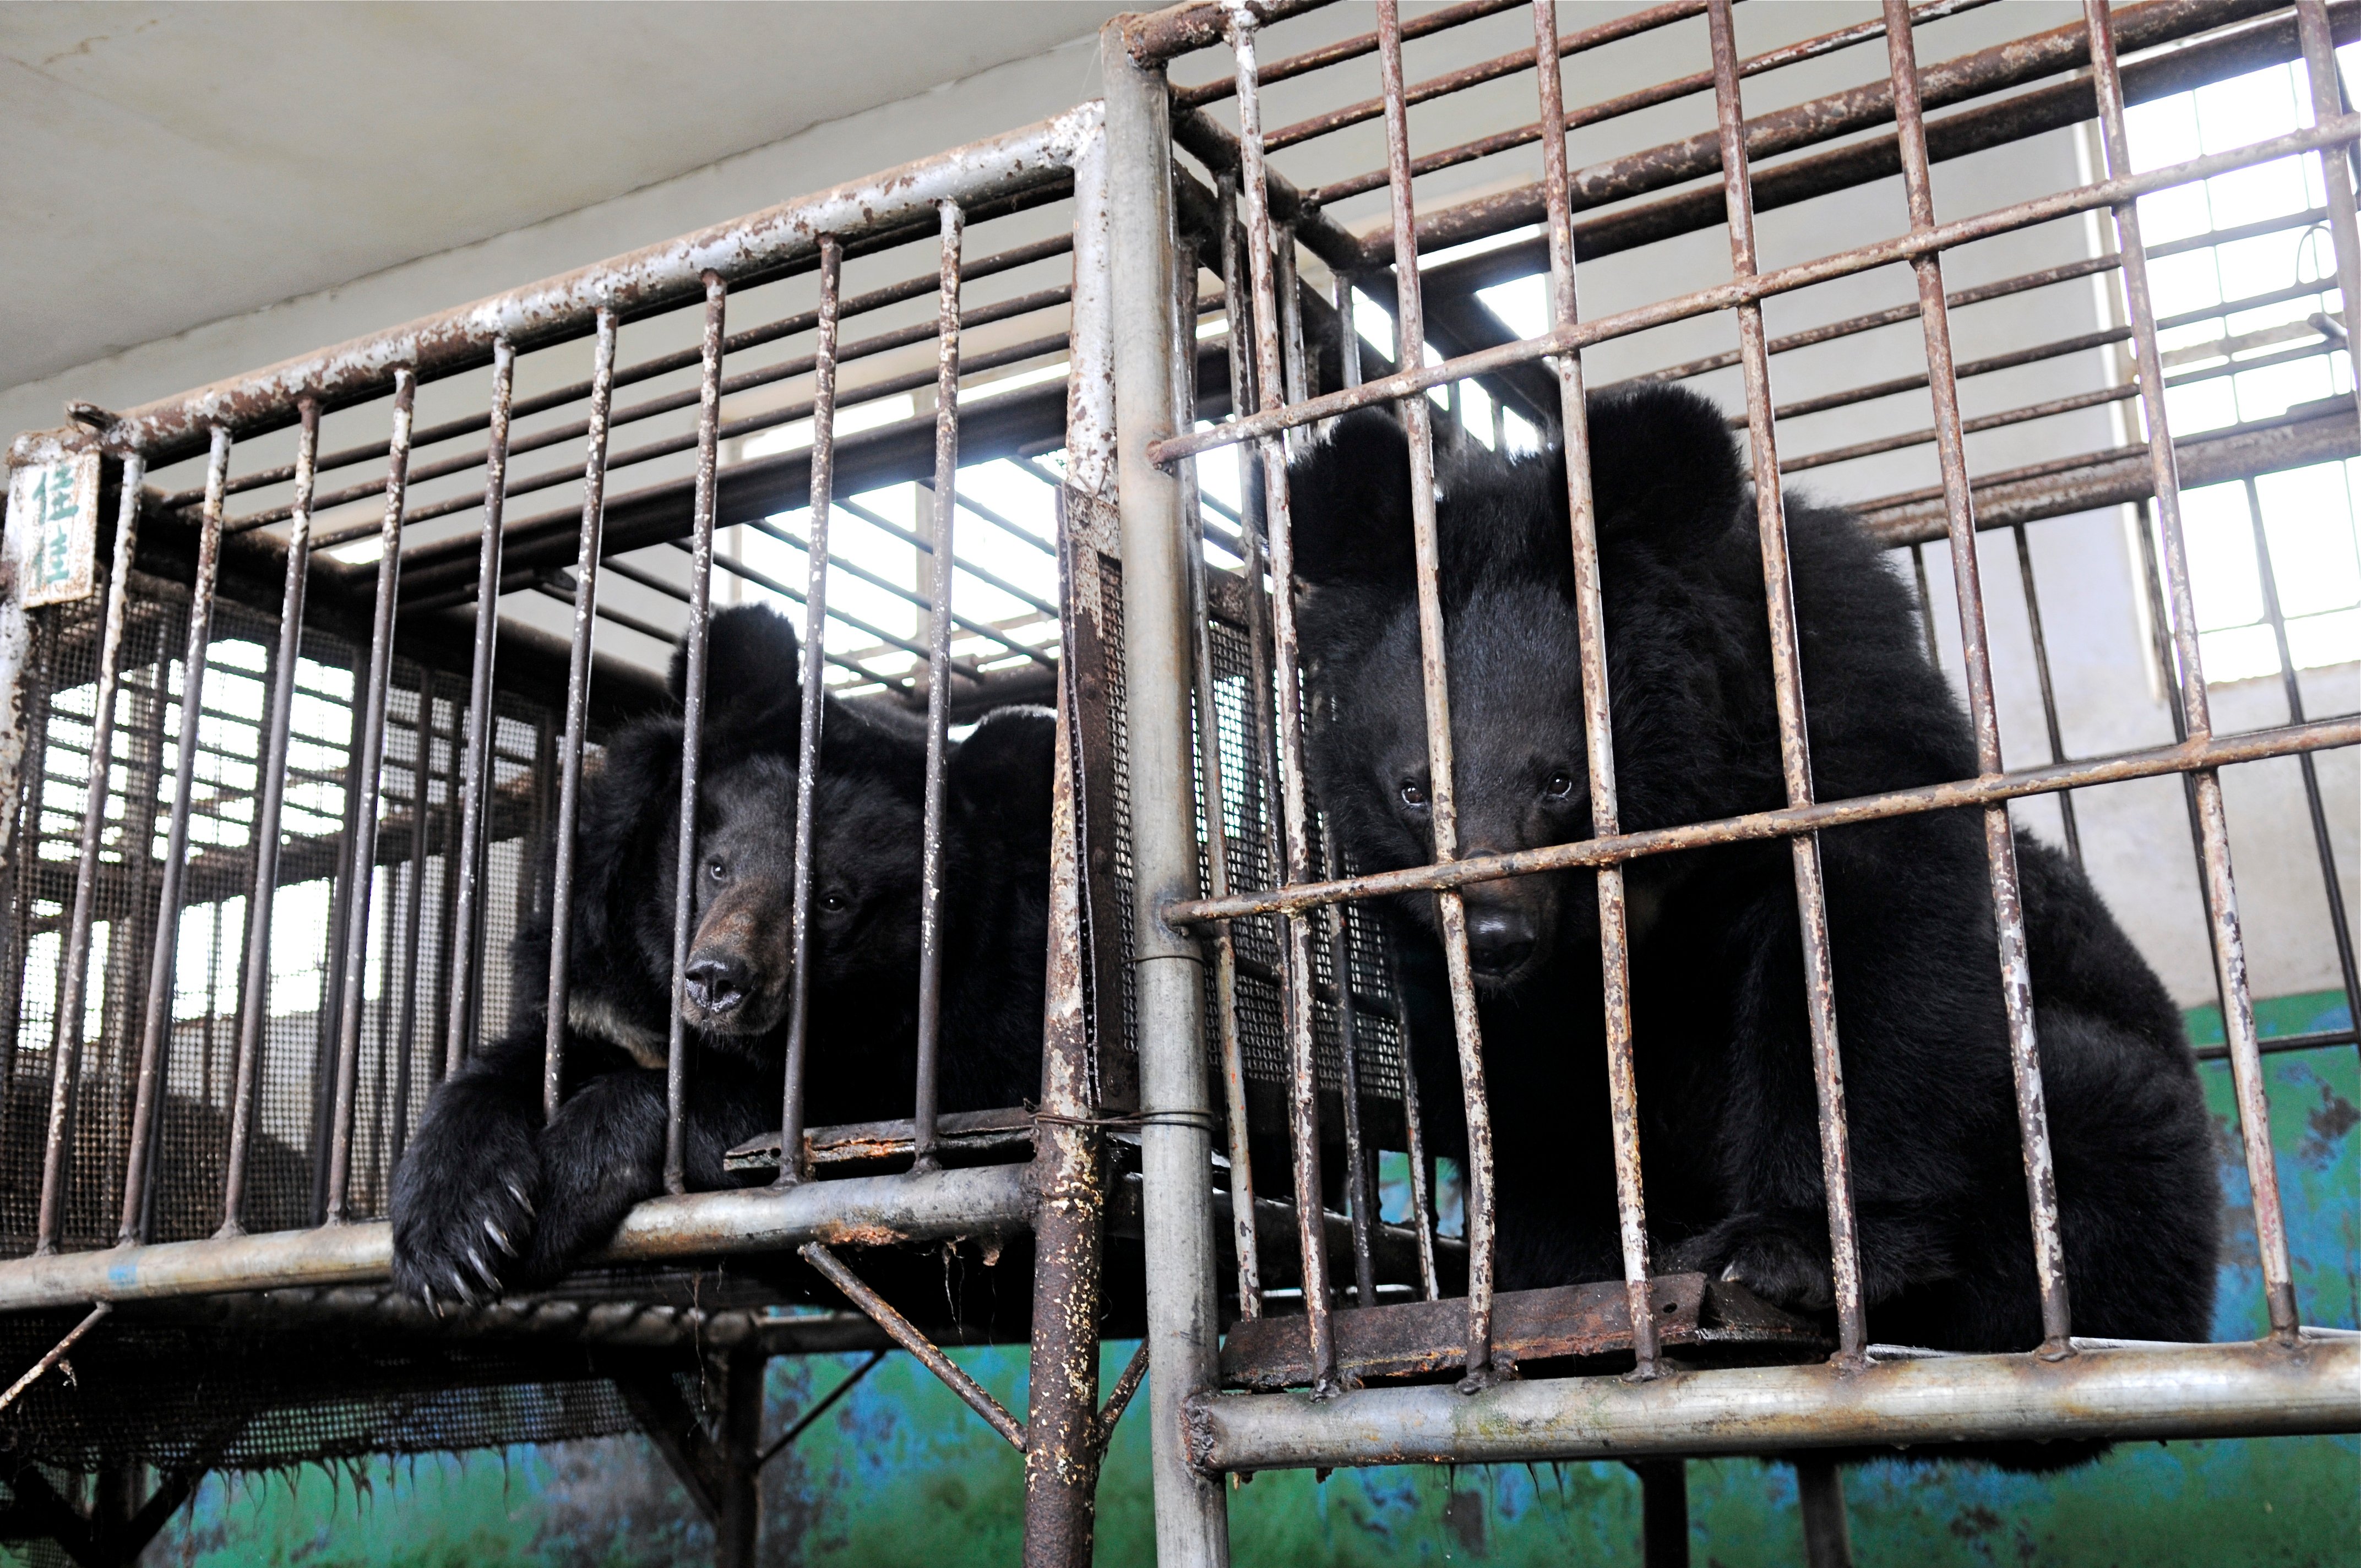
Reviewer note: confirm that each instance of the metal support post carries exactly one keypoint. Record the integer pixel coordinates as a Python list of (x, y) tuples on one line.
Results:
[(1176, 1143)]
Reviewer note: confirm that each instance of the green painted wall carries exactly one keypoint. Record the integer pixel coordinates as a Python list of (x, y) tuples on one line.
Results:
[(903, 1474)]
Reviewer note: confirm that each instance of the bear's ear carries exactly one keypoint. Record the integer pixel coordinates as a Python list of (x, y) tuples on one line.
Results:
[(1664, 460), (1349, 501), (1004, 772), (751, 674)]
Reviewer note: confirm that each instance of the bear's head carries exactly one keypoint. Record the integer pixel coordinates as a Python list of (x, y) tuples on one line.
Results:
[(1664, 476), (737, 981)]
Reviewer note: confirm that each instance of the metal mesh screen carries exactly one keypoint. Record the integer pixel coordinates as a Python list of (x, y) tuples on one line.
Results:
[(407, 996)]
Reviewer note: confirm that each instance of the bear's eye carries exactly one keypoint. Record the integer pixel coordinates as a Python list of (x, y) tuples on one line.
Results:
[(1561, 786), (718, 870), (834, 903), (1413, 793)]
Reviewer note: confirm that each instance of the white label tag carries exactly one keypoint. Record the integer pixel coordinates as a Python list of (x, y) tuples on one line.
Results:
[(53, 529)]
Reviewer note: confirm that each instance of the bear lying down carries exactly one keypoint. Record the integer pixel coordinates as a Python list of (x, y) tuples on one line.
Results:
[(1731, 1146), (488, 1199)]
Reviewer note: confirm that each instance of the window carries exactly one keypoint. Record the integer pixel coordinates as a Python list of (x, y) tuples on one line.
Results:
[(2243, 273)]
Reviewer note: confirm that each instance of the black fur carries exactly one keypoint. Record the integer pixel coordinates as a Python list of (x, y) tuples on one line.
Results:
[(1730, 1147), (488, 1199)]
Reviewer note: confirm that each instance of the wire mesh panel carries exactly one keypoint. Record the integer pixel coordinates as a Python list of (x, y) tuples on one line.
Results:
[(402, 1058)]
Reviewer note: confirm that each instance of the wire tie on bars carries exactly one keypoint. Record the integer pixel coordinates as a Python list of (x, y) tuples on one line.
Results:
[(1195, 1121)]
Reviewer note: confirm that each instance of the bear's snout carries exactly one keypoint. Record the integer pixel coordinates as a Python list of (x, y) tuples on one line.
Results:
[(1499, 940), (717, 984)]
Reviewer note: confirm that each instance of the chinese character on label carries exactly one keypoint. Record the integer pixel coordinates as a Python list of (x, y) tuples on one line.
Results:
[(53, 529)]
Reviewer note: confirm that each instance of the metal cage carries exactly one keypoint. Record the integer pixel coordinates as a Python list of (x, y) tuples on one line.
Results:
[(389, 717)]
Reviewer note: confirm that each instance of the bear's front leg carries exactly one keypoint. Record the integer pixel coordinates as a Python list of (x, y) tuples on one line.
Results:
[(465, 1195), (605, 1152)]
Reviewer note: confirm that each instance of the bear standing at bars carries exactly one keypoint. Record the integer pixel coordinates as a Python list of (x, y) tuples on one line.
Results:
[(488, 1199), (1722, 1040)]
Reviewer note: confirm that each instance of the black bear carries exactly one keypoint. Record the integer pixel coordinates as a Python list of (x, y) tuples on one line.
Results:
[(487, 1197), (1731, 1146)]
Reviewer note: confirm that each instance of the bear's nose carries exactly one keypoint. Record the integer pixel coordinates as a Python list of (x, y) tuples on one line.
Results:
[(716, 984), (1499, 940)]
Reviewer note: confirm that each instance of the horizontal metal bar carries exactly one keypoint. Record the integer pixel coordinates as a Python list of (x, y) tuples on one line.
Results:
[(646, 369), (862, 1211), (2181, 1391), (1338, 53), (2188, 756), (656, 277), (1741, 291)]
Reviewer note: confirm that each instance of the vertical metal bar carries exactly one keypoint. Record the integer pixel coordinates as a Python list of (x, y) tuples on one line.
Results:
[(1213, 786), (1290, 326), (371, 764), (2213, 830), (483, 731), (65, 1037), (1362, 1192), (2339, 926), (2335, 164), (1416, 411), (692, 730), (939, 688), (1598, 728), (2065, 799), (1663, 1510), (398, 1111), (1926, 607), (1787, 682), (1062, 1447), (1297, 1009), (813, 694), (1819, 1497), (163, 963), (254, 1010), (1983, 713), (1254, 713), (577, 712), (1421, 1197), (1168, 965)]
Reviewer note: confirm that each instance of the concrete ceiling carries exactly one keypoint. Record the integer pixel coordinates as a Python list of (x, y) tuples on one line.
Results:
[(169, 165)]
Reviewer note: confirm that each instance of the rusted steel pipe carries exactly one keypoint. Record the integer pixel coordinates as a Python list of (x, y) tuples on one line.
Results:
[(73, 988), (163, 957), (1156, 38), (1297, 1005), (369, 768), (1338, 53), (1030, 160), (1788, 686), (2000, 837), (467, 869), (2201, 754), (2179, 1391), (862, 1211), (905, 1334), (577, 715), (1062, 1447), (1168, 971), (814, 696), (692, 730), (2221, 891), (1467, 1027), (938, 686), (2049, 691), (1597, 720), (2110, 192), (1212, 770)]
